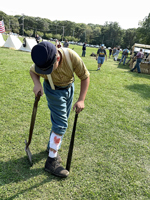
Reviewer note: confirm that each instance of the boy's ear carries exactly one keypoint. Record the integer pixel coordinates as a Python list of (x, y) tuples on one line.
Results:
[(58, 58)]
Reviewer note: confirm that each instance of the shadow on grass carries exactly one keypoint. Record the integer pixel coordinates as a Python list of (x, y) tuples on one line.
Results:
[(20, 169), (144, 75), (90, 70), (14, 171), (47, 180), (142, 89), (121, 66)]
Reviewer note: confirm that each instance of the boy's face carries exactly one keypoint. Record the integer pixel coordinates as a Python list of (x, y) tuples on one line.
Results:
[(56, 64)]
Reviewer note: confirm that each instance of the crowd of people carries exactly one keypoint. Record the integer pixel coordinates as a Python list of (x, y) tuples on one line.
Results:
[(126, 53), (101, 55)]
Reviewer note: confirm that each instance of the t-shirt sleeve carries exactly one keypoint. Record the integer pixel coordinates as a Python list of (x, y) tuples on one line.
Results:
[(32, 68), (78, 66)]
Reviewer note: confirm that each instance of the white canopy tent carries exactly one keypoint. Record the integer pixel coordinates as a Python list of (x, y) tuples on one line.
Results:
[(13, 42), (30, 43), (145, 47)]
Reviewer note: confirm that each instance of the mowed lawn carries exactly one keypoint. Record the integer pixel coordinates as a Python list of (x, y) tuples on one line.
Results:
[(111, 158)]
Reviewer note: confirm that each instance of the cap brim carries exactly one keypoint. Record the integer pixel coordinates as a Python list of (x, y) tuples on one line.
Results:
[(48, 71)]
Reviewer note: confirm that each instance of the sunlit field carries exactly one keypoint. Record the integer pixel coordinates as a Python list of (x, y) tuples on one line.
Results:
[(111, 157)]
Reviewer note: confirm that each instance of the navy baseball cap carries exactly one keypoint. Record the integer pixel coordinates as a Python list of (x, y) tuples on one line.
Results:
[(44, 57)]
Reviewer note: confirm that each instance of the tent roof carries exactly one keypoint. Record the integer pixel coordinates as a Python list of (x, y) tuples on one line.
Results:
[(145, 46)]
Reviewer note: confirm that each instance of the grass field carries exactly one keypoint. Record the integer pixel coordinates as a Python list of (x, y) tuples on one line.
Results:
[(111, 158)]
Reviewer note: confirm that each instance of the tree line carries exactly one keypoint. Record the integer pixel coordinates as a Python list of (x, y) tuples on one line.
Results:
[(110, 34)]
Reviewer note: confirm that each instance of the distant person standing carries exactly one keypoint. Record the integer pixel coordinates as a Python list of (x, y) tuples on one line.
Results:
[(116, 54), (37, 38), (66, 44), (114, 51), (84, 49), (100, 57), (110, 52), (58, 44), (24, 42), (139, 57), (124, 56)]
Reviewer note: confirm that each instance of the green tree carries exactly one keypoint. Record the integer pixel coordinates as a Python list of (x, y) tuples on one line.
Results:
[(29, 32), (48, 36), (40, 33), (13, 25), (96, 35), (129, 38), (57, 36), (144, 31), (88, 34), (111, 34)]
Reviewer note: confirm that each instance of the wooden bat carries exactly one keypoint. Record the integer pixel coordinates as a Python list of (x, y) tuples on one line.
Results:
[(69, 158)]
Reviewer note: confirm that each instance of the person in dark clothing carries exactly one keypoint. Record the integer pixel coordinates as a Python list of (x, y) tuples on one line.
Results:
[(114, 50), (139, 57), (66, 44), (24, 42), (110, 52), (84, 49), (124, 56), (100, 57), (37, 38)]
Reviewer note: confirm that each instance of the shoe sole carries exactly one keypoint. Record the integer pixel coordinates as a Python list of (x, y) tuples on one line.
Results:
[(58, 175)]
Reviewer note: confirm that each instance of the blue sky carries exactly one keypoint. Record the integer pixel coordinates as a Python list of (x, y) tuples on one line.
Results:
[(127, 13)]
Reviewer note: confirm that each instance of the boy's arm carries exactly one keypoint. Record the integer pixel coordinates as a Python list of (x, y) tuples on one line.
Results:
[(106, 55), (96, 56), (79, 105), (37, 84)]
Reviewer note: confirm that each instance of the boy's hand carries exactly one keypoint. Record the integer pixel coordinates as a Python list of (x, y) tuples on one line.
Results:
[(38, 87), (78, 106), (37, 84)]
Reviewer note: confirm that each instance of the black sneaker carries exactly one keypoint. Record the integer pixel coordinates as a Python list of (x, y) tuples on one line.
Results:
[(53, 166)]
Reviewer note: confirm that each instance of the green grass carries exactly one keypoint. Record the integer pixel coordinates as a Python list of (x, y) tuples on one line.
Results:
[(111, 158)]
